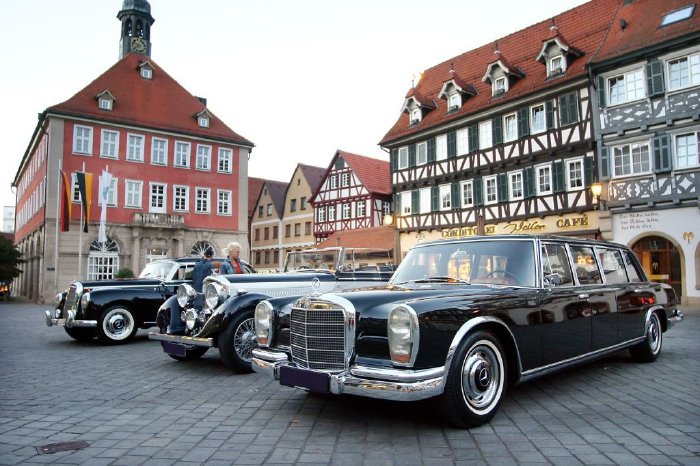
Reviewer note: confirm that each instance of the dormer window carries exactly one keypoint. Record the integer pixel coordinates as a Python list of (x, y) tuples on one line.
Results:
[(501, 75), (105, 104), (416, 106), (500, 86), (454, 102), (455, 91), (556, 65), (203, 119), (204, 122), (105, 101), (415, 115), (146, 70), (556, 54)]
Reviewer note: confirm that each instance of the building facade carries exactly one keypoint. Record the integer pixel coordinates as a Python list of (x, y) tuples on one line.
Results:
[(646, 76), (267, 251), (178, 174), (298, 217)]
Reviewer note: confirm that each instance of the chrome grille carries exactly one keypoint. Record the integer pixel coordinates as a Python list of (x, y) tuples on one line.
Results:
[(73, 297), (318, 337)]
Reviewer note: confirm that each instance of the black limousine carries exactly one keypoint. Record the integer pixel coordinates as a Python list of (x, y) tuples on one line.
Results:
[(461, 320)]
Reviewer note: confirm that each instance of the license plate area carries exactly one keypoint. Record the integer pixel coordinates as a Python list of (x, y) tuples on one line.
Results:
[(175, 349), (318, 382)]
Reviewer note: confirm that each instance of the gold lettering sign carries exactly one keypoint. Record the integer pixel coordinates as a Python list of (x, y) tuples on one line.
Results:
[(573, 222), (467, 231), (523, 227)]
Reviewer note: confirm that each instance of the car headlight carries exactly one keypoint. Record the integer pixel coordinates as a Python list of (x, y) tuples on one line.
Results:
[(263, 323), (403, 333), (214, 294), (84, 300), (190, 318), (185, 295)]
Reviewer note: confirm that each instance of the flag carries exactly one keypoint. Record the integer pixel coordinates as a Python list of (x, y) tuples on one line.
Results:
[(105, 185), (85, 187), (66, 201)]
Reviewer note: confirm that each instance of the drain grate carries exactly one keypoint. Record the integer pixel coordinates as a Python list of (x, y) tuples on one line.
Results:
[(63, 446)]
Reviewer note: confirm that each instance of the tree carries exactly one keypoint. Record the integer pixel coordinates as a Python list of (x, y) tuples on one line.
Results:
[(10, 258)]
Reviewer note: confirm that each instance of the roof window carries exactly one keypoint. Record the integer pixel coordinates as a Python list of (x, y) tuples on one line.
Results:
[(678, 15)]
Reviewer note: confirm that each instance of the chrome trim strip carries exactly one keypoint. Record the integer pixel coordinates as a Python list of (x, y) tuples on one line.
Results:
[(68, 322), (395, 391), (396, 375), (194, 341), (539, 371)]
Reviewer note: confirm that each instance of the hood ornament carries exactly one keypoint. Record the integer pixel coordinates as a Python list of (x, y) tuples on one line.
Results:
[(316, 286)]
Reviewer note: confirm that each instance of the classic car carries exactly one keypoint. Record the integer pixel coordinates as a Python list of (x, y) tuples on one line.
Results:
[(461, 320), (225, 320), (113, 310)]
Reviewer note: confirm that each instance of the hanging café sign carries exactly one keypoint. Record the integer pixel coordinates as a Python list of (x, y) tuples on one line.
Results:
[(549, 225)]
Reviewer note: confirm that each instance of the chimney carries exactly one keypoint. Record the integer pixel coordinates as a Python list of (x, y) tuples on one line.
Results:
[(203, 100)]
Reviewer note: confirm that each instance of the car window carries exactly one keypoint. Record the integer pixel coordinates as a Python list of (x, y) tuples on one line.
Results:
[(632, 272), (585, 265), (613, 266), (556, 269)]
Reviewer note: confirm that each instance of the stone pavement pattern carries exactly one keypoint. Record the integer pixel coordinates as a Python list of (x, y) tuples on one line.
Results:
[(134, 405)]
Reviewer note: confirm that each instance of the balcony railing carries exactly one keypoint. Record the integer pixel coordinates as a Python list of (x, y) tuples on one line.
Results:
[(160, 220)]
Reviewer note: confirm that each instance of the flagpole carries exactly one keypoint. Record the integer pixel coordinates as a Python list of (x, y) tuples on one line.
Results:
[(80, 238), (58, 221)]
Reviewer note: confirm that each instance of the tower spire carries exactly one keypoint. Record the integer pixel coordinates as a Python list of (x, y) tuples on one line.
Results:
[(136, 20)]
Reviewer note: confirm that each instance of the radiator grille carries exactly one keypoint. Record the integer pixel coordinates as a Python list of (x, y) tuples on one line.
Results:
[(318, 338), (72, 298)]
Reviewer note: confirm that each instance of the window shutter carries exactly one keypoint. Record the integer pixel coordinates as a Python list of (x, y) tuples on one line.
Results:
[(397, 205), (523, 122), (431, 150), (601, 91), (573, 107), (604, 164), (455, 196), (473, 138), (655, 78), (587, 171), (662, 154), (478, 192), (412, 155), (549, 113), (558, 178), (435, 198), (529, 182), (497, 130), (568, 109), (502, 187), (415, 201), (451, 144), (394, 159)]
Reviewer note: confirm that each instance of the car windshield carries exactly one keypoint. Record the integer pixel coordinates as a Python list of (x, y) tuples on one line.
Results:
[(312, 260), (496, 262), (367, 260), (157, 269)]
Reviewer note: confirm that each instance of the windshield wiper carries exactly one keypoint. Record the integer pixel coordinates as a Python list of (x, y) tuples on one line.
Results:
[(442, 279)]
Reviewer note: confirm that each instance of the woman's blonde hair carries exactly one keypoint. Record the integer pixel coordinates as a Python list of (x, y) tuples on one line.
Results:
[(230, 247)]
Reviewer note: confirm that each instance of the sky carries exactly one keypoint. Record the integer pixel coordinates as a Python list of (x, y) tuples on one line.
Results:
[(299, 78)]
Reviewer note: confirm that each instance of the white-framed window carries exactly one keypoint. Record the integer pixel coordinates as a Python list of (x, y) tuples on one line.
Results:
[(406, 203), (331, 213), (134, 147), (105, 103), (361, 208), (683, 72), (631, 159), (490, 190), (556, 65), (485, 135), (225, 160), (111, 195), (181, 198), (110, 144), (321, 214), (203, 121), (515, 185), (574, 174), (403, 158), (416, 115), (543, 175), (626, 87), (157, 204), (159, 151), (510, 127), (345, 180), (201, 200), (500, 85), (333, 181), (223, 205), (454, 101), (133, 190), (467, 188), (441, 147), (445, 196), (424, 200), (182, 154), (538, 119), (103, 260), (82, 140), (686, 149), (203, 157), (462, 136), (346, 211), (421, 153)]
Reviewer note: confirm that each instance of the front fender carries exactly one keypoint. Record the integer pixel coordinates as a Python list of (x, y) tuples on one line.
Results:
[(228, 310), (168, 317)]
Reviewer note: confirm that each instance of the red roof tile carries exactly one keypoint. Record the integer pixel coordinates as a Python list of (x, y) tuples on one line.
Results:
[(584, 28), (373, 173), (374, 237), (158, 103)]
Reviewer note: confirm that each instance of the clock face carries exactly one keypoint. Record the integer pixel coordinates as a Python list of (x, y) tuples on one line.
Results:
[(138, 45)]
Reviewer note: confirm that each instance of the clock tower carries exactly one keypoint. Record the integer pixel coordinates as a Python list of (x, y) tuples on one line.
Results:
[(136, 19)]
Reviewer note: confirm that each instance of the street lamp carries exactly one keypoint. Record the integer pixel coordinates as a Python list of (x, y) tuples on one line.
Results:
[(391, 221), (597, 190)]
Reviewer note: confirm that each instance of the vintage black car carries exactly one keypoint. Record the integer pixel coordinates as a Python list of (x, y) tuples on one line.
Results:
[(113, 310), (460, 320), (225, 320)]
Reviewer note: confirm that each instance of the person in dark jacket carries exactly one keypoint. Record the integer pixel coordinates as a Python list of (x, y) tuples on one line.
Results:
[(203, 269)]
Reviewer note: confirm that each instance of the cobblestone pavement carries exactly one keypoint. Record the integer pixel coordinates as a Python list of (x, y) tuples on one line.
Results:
[(132, 404)]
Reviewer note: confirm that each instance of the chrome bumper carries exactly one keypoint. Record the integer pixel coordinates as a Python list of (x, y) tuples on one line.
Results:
[(193, 341), (675, 317), (69, 321), (382, 383)]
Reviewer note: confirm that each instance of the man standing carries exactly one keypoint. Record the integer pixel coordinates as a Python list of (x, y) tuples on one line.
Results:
[(202, 270)]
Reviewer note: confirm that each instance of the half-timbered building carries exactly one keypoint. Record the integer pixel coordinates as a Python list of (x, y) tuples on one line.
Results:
[(500, 139), (647, 79), (355, 193)]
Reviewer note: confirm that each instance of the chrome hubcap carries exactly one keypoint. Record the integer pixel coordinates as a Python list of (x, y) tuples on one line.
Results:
[(654, 334), (118, 325), (244, 341), (481, 377)]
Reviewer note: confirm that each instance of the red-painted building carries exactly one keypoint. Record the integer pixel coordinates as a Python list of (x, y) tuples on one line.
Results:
[(179, 174)]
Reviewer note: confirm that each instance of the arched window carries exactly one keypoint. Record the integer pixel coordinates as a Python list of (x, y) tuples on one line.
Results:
[(201, 246), (128, 28), (139, 29), (103, 260)]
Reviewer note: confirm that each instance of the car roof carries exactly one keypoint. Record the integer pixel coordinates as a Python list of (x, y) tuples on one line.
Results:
[(570, 239)]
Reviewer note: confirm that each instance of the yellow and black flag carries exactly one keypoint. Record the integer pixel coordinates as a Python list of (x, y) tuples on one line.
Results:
[(85, 188), (66, 201)]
